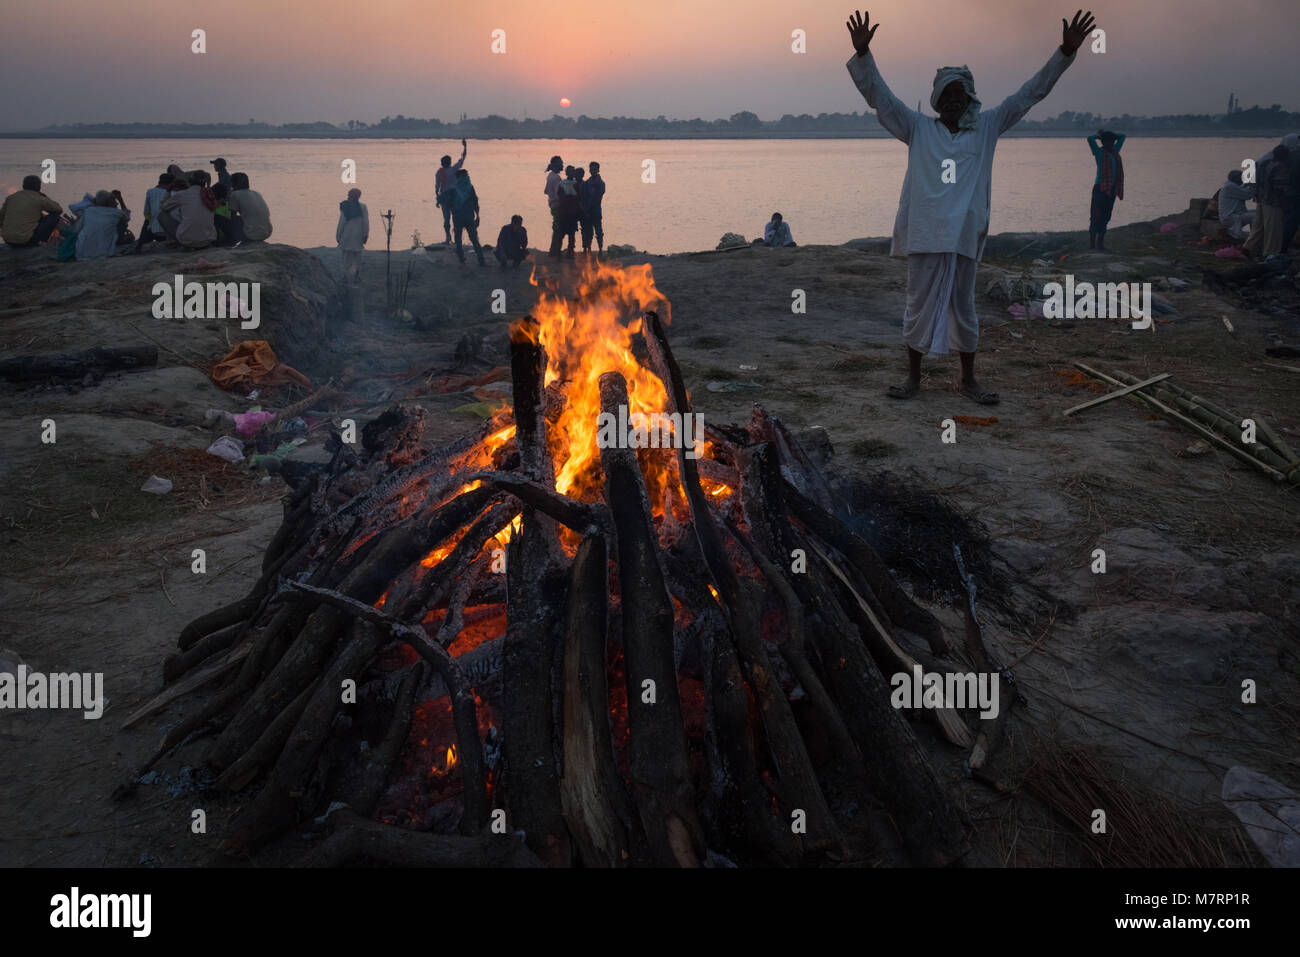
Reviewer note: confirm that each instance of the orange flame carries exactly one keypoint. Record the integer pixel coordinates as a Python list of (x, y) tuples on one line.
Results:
[(585, 338)]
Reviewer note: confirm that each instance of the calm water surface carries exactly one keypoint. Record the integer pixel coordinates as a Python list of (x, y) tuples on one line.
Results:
[(830, 191)]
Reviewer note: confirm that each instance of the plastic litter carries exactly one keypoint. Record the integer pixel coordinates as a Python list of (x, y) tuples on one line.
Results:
[(227, 447), (1169, 228), (1269, 810), (156, 486), (246, 423)]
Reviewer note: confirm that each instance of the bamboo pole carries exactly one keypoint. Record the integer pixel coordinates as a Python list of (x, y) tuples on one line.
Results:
[(1221, 422), (1196, 427)]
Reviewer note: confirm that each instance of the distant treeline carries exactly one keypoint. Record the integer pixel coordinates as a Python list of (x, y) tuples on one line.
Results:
[(1242, 122)]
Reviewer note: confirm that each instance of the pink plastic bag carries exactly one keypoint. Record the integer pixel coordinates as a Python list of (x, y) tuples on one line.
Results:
[(1230, 252), (246, 423), (1169, 228)]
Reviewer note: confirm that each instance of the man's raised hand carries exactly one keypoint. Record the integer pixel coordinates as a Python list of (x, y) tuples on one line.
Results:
[(861, 31), (1074, 33)]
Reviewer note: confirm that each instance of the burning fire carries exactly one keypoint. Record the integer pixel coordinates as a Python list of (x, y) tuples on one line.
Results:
[(585, 338)]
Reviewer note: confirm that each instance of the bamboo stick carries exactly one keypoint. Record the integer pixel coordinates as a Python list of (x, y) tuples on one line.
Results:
[(1200, 430), (1115, 395), (1275, 440)]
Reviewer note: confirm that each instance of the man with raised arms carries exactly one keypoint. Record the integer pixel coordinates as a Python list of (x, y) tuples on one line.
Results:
[(943, 214)]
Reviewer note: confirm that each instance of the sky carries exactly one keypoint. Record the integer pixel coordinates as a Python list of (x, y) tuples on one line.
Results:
[(278, 61)]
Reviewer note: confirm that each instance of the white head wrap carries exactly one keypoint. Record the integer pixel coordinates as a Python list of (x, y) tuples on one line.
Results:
[(945, 75)]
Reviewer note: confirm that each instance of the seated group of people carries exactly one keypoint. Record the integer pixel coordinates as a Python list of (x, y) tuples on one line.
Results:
[(184, 209), (1276, 193)]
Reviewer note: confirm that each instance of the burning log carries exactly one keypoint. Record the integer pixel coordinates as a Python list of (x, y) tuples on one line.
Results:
[(659, 767), (638, 687), (590, 790)]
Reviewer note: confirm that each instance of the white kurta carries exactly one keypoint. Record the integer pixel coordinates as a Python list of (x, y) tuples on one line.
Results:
[(936, 216), (943, 213)]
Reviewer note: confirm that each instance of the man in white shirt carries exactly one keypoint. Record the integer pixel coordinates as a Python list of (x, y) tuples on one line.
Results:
[(943, 213), (777, 232), (1233, 213), (100, 225)]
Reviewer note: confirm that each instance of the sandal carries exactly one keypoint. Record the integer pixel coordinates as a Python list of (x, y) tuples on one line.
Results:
[(981, 395), (905, 391)]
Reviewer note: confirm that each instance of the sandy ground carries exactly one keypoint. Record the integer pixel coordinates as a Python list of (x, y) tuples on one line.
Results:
[(1144, 662)]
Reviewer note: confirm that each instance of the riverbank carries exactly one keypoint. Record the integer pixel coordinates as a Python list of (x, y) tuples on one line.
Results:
[(1141, 665)]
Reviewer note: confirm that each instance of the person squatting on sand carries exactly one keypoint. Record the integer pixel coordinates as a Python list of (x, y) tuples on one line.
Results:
[(1233, 214), (443, 183), (28, 217), (351, 234), (1107, 187), (512, 242), (943, 213)]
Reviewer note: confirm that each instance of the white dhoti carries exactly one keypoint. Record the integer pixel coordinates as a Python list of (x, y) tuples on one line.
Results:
[(940, 313)]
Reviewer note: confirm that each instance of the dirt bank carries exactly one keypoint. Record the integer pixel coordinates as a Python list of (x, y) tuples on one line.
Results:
[(1144, 663)]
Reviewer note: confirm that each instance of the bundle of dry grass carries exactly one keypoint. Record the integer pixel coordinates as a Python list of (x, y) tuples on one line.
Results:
[(1143, 828)]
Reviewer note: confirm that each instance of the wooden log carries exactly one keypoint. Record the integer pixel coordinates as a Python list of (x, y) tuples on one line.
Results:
[(193, 681), (529, 746), (275, 807), (796, 466), (887, 653), (794, 650), (177, 665), (745, 813), (265, 749), (579, 516), (357, 839), (895, 604), (77, 364), (311, 646), (990, 729), (658, 760), (379, 761), (897, 769), (798, 780), (463, 710), (216, 620), (527, 374), (590, 790)]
